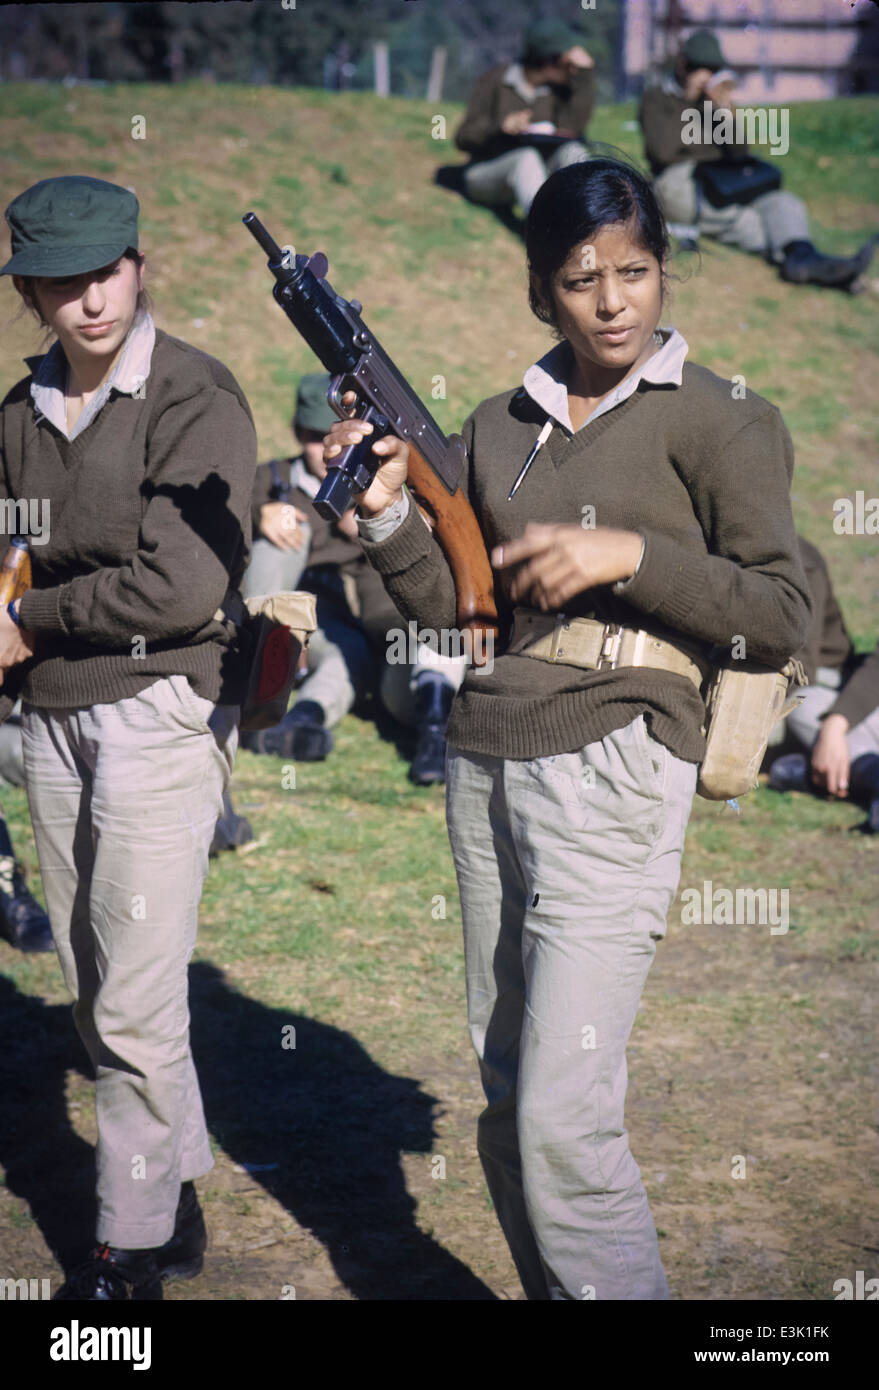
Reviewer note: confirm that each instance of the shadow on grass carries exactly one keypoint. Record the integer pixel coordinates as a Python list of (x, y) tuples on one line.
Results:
[(451, 177), (336, 1124), (46, 1162)]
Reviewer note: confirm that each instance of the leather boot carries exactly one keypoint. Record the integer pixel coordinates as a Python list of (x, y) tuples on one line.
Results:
[(790, 773), (803, 264), (864, 787), (110, 1275), (182, 1257), (23, 923), (301, 734), (433, 701)]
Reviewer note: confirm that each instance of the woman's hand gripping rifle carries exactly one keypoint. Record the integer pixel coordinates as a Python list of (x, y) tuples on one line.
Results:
[(358, 364)]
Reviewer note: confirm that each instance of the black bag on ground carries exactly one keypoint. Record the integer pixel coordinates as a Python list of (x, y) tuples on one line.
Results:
[(728, 181)]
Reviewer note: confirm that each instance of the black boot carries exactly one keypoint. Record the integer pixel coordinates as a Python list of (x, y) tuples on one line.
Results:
[(301, 734), (433, 701), (230, 830), (790, 773), (23, 923), (182, 1257), (110, 1275), (864, 787), (804, 265)]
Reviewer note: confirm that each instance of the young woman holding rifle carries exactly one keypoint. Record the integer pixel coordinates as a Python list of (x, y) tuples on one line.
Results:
[(653, 503)]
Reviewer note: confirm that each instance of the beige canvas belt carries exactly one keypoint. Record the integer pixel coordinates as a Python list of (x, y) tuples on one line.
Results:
[(599, 646)]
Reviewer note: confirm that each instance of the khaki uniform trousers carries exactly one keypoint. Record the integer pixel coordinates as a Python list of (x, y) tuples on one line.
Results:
[(763, 226), (516, 176), (805, 722), (124, 798), (566, 869)]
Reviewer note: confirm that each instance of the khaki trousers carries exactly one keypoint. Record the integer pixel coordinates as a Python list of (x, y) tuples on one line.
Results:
[(516, 176), (124, 798), (764, 226), (566, 869)]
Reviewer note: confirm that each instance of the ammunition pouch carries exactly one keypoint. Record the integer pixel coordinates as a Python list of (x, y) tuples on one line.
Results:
[(743, 700), (271, 630)]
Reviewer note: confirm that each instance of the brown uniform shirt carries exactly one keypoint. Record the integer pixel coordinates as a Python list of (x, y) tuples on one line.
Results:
[(661, 116), (480, 134), (829, 644)]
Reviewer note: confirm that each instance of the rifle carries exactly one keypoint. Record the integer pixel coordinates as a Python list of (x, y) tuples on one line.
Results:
[(337, 335)]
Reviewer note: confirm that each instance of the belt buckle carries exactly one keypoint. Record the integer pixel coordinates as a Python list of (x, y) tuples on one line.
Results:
[(610, 647)]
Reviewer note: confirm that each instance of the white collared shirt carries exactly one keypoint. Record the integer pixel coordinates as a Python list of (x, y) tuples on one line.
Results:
[(514, 77), (132, 368), (546, 381), (301, 478)]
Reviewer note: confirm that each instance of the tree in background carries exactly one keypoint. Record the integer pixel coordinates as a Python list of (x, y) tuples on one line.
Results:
[(490, 31), (166, 41)]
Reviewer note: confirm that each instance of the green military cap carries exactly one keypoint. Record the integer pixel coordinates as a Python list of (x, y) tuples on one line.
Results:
[(702, 50), (70, 225), (312, 411), (547, 38)]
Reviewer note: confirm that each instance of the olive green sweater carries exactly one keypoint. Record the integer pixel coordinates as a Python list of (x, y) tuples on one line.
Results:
[(661, 116), (149, 527), (567, 107), (703, 477), (829, 644)]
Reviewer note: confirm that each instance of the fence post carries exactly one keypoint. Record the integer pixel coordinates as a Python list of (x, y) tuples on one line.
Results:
[(382, 72), (437, 73)]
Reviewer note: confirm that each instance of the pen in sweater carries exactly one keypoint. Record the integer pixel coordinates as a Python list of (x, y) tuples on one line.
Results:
[(541, 439)]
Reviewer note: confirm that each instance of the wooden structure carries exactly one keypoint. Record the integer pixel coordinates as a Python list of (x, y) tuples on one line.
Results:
[(782, 50)]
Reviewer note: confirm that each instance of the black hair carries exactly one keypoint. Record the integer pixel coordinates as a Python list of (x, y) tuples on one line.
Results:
[(574, 205)]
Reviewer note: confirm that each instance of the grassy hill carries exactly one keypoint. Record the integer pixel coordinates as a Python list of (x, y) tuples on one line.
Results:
[(751, 1044), (442, 282)]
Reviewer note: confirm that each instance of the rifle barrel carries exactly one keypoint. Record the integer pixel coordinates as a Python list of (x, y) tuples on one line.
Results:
[(267, 242)]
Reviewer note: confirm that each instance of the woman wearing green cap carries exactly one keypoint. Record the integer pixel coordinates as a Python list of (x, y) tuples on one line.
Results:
[(140, 451), (683, 146), (526, 119)]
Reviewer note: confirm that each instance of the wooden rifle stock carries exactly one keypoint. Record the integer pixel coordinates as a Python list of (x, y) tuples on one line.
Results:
[(457, 531)]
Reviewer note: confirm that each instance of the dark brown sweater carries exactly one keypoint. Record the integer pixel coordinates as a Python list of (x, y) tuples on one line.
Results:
[(682, 466), (829, 644), (480, 134), (149, 527)]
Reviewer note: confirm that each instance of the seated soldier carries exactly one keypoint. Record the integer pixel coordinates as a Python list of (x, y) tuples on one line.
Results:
[(527, 119), (295, 548), (774, 224), (838, 722)]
